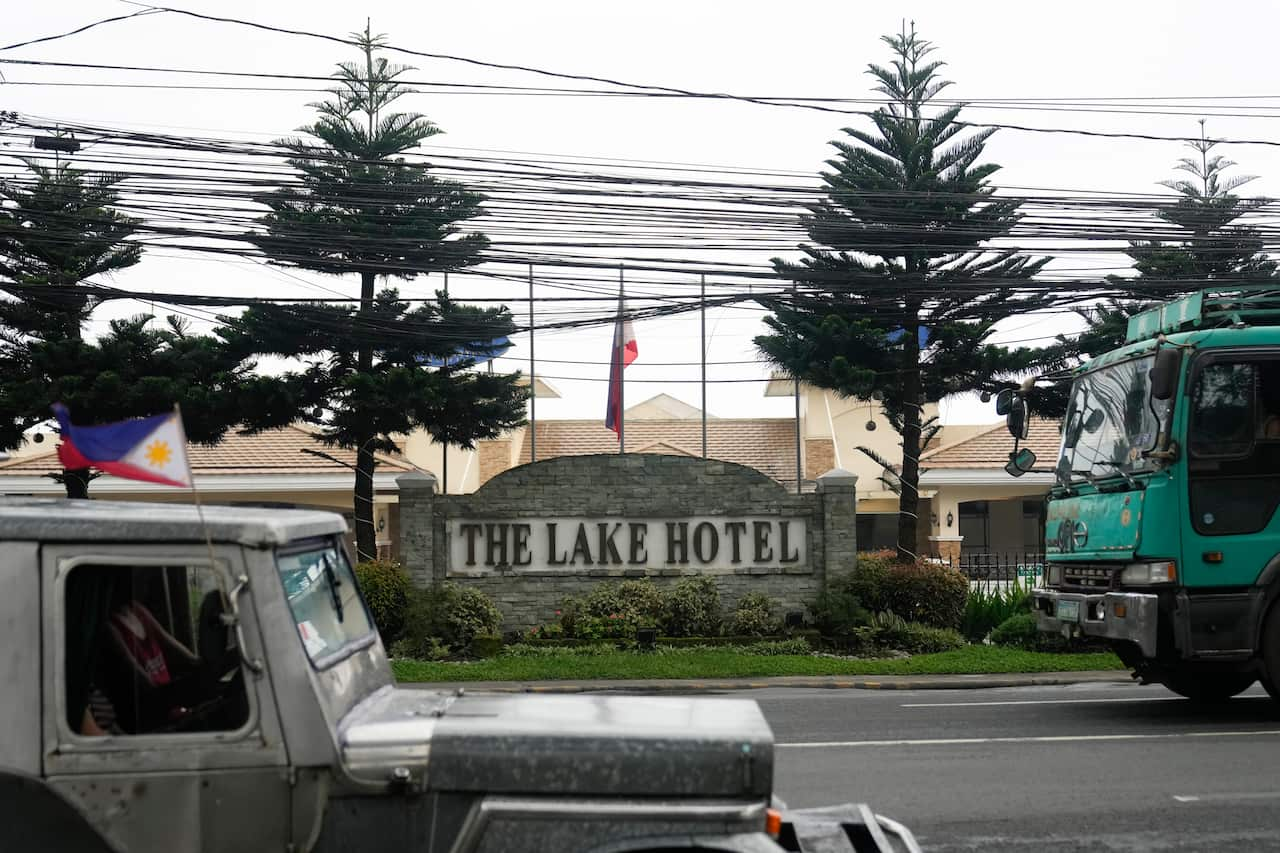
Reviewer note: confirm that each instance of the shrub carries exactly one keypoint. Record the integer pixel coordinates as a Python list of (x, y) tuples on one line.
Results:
[(926, 593), (838, 613), (754, 616), (987, 607), (631, 603), (451, 615), (917, 639), (430, 648), (1018, 630), (385, 588), (529, 650), (692, 608), (793, 646), (485, 646), (865, 579)]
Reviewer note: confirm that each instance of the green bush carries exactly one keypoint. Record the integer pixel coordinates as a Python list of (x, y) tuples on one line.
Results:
[(839, 612), (428, 648), (691, 608), (987, 607), (793, 646), (628, 604), (485, 645), (1018, 630), (754, 616), (927, 593), (385, 588), (532, 650), (916, 639), (865, 580), (450, 615)]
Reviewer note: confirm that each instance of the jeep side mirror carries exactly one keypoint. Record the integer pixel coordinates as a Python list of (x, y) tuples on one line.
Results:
[(1004, 401), (1017, 420), (1021, 462), (1164, 375)]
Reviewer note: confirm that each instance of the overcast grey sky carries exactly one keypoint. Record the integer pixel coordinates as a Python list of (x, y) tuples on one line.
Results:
[(993, 50)]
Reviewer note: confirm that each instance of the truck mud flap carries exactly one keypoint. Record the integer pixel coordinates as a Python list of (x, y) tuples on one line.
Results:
[(36, 817), (843, 829)]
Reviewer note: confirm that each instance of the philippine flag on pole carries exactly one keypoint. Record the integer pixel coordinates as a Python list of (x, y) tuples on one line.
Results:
[(624, 352), (151, 449)]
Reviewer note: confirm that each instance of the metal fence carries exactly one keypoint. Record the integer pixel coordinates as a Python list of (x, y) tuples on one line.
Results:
[(1006, 567)]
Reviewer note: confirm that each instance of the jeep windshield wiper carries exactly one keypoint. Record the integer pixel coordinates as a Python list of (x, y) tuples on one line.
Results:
[(331, 577)]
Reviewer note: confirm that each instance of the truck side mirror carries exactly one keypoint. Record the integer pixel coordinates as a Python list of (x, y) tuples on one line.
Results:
[(1004, 401), (1017, 420), (1164, 374), (1021, 462)]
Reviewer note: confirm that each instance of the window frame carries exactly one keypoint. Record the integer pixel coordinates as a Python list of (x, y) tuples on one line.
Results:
[(68, 750), (338, 655), (1198, 368)]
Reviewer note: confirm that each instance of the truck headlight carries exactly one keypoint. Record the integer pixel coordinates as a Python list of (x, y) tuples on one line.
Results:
[(1053, 575), (1145, 574)]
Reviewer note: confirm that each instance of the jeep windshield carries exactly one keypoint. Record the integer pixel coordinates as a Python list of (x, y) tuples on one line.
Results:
[(1111, 421), (322, 594)]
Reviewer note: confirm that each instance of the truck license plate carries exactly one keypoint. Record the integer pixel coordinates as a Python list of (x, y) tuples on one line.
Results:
[(1069, 611)]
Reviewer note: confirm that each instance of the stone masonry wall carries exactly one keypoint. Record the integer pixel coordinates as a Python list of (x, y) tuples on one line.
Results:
[(632, 486)]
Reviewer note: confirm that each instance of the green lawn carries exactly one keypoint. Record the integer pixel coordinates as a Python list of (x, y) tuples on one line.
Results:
[(720, 663)]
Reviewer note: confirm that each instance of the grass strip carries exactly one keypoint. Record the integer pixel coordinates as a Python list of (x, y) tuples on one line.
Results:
[(721, 663)]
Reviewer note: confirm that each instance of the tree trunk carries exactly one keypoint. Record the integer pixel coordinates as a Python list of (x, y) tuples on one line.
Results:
[(366, 535), (76, 482), (909, 495)]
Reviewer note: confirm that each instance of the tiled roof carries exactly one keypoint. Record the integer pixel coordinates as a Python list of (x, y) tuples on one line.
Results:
[(991, 449), (768, 445), (275, 451)]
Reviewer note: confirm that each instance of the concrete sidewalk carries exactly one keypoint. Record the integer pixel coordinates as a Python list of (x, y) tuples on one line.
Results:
[(882, 682)]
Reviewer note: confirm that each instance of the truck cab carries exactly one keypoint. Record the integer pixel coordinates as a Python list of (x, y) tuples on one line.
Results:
[(1161, 531), (213, 682)]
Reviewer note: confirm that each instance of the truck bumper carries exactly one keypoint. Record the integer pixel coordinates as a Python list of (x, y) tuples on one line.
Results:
[(1128, 616)]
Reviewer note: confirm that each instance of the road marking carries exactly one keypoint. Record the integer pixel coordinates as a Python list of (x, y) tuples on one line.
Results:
[(968, 741), (1041, 702), (1244, 795)]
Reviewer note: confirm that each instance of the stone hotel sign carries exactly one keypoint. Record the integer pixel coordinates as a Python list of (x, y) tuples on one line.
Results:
[(708, 544), (537, 534)]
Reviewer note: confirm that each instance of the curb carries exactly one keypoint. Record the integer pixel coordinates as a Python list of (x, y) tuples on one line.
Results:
[(947, 682)]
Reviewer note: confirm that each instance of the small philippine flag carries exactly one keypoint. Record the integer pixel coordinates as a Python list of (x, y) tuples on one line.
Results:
[(151, 449)]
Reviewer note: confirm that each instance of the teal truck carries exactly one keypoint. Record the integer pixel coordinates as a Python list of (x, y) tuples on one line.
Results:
[(1161, 529)]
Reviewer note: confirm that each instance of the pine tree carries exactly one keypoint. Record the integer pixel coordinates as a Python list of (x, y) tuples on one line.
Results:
[(896, 296), (1214, 248), (59, 230), (360, 208)]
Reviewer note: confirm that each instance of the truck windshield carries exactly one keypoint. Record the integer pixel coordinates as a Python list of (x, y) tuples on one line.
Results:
[(1110, 422), (322, 595)]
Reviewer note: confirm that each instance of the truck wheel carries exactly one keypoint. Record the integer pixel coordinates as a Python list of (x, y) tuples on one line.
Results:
[(1270, 653), (1208, 686)]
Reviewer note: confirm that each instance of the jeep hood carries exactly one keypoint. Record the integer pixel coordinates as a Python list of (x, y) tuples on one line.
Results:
[(597, 745)]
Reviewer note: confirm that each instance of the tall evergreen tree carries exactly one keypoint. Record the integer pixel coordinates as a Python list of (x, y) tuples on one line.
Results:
[(897, 295), (1212, 246), (59, 229), (359, 208)]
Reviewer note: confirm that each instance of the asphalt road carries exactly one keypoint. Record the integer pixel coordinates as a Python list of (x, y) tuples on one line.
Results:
[(1087, 767)]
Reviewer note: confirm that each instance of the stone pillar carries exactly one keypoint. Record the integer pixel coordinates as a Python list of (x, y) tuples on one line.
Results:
[(418, 526), (839, 491)]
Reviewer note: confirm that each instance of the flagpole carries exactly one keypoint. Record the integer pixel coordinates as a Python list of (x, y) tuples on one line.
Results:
[(703, 357), (195, 493), (533, 382), (619, 344)]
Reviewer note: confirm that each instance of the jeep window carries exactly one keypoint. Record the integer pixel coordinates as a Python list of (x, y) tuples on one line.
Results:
[(1234, 439), (148, 652), (326, 605)]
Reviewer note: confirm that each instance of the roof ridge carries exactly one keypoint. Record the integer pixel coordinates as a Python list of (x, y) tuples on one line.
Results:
[(29, 457), (965, 440)]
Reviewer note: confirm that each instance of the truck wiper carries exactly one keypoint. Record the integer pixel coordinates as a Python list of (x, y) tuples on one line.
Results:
[(331, 577)]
